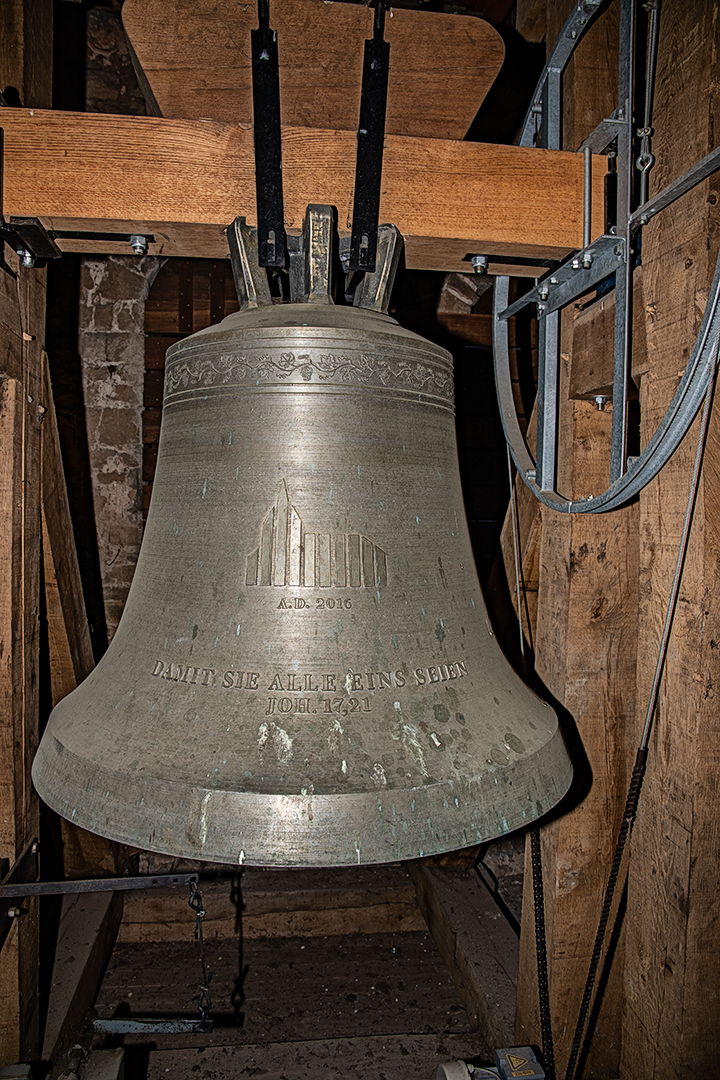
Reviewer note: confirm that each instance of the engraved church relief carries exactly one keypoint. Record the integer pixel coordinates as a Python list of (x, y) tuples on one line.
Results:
[(290, 555)]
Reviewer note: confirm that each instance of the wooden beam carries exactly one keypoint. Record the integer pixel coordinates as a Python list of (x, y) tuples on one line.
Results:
[(71, 657), (478, 946), (26, 50), (86, 935), (195, 57), (281, 903), (184, 181), (26, 64), (392, 1057)]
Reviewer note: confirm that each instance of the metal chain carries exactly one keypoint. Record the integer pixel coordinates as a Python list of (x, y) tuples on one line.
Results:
[(638, 773), (204, 1002), (546, 1034), (646, 160)]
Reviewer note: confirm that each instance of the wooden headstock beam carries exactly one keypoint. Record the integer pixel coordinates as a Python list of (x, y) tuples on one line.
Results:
[(184, 181)]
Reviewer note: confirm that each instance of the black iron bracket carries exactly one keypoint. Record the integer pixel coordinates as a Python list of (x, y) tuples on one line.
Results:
[(135, 240), (272, 246), (24, 870), (370, 140)]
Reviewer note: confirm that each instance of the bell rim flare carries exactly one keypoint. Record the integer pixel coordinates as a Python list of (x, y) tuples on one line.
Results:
[(283, 830)]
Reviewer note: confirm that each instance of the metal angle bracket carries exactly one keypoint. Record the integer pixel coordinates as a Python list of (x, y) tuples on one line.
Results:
[(575, 277)]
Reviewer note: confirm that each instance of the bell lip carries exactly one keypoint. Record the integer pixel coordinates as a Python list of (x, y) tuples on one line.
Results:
[(283, 830)]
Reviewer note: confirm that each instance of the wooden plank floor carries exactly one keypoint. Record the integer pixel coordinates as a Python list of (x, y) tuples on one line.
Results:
[(374, 1005)]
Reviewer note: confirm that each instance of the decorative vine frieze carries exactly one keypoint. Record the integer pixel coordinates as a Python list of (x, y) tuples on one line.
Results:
[(359, 368)]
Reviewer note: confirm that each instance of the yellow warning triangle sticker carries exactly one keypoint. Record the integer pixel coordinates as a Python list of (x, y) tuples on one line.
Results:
[(515, 1062)]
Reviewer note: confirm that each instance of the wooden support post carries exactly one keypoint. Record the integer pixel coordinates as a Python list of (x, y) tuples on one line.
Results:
[(21, 414), (71, 657), (25, 55), (585, 653), (672, 983), (86, 937)]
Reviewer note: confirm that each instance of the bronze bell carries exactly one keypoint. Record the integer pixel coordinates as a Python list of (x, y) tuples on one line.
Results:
[(305, 673)]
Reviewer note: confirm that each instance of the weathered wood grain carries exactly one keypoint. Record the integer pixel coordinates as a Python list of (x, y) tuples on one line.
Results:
[(71, 657), (584, 654), (279, 904), (183, 181), (21, 414), (25, 46), (196, 59), (86, 934), (591, 371), (672, 987), (25, 61)]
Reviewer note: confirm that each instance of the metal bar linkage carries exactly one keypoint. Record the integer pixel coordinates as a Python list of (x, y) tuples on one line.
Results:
[(623, 276), (577, 23), (136, 1025), (690, 179), (92, 885)]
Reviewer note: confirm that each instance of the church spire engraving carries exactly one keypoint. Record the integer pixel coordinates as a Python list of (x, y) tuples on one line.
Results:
[(289, 555)]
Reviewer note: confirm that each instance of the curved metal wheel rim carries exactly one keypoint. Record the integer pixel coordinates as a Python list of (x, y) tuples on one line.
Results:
[(693, 386), (670, 431)]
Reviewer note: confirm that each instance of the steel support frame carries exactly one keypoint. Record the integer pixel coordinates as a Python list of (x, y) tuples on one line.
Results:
[(610, 253)]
